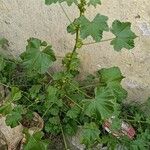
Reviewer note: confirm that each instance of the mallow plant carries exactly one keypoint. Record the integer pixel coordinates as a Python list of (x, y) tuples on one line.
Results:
[(67, 103)]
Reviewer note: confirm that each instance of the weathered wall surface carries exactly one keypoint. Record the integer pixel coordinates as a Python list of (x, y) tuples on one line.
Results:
[(20, 20)]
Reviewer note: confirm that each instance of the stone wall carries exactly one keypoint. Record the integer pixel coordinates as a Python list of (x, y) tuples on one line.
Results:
[(20, 20)]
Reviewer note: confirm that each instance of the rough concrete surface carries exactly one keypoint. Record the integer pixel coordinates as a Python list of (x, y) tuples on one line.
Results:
[(20, 20)]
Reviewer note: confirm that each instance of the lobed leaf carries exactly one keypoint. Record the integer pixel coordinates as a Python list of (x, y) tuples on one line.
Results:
[(111, 78), (35, 60), (70, 127), (102, 105), (35, 142), (90, 134), (6, 108), (93, 28), (124, 36), (73, 112), (15, 116), (34, 90), (52, 97)]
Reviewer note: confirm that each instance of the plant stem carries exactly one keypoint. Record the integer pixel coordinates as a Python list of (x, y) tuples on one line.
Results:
[(77, 31), (26, 96), (90, 43), (136, 121), (4, 85), (76, 40), (65, 13), (80, 90), (64, 139), (74, 102), (87, 86), (30, 105), (47, 110), (50, 74)]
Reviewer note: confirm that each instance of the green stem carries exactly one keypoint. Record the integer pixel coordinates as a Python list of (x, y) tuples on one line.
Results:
[(26, 96), (73, 86), (80, 90), (65, 12), (47, 110), (77, 33), (74, 102), (76, 40), (87, 86), (90, 43), (30, 105), (50, 74), (4, 85), (64, 139), (136, 121)]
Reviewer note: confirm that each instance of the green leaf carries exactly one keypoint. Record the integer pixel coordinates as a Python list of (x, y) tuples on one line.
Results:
[(90, 134), (34, 90), (102, 105), (72, 27), (112, 74), (137, 117), (116, 124), (52, 97), (35, 142), (54, 110), (15, 116), (141, 142), (74, 112), (54, 120), (52, 128), (15, 94), (6, 108), (51, 94), (70, 127), (13, 119), (69, 2), (145, 107), (44, 43), (119, 93), (93, 28), (2, 63), (53, 125), (111, 78), (49, 2), (148, 120), (124, 36), (71, 62), (36, 60), (94, 2), (48, 50), (3, 42)]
